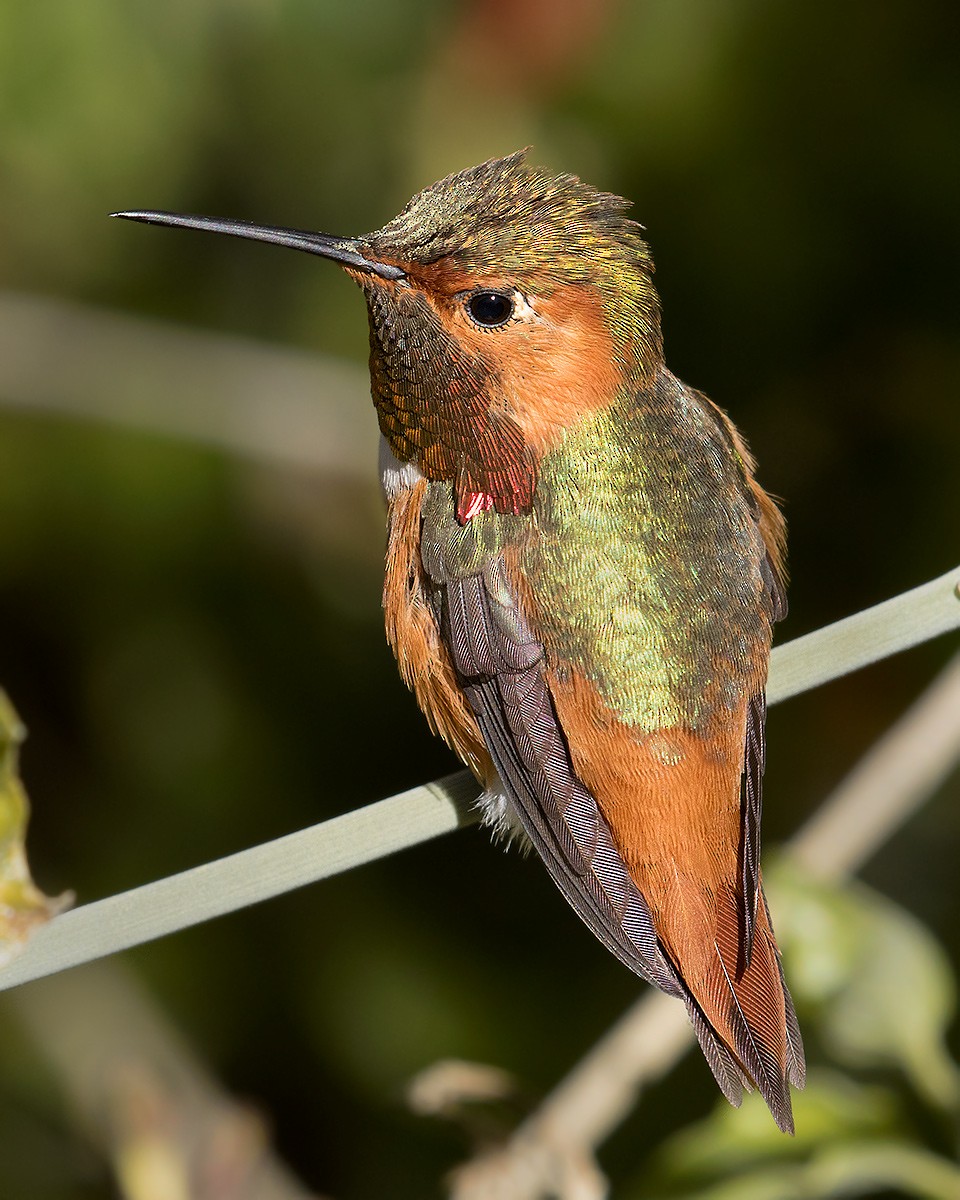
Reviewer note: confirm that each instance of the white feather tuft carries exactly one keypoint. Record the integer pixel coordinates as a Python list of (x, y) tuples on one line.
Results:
[(396, 476), (497, 813)]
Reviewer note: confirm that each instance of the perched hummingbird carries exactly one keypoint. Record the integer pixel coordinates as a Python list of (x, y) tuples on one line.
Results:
[(582, 575)]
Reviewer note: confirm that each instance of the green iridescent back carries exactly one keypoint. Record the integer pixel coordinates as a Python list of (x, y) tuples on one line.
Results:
[(644, 557), (647, 562)]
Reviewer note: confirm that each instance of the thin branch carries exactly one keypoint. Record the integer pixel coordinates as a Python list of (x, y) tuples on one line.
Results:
[(902, 770), (234, 394), (179, 901), (143, 1097), (216, 888), (906, 620), (892, 780)]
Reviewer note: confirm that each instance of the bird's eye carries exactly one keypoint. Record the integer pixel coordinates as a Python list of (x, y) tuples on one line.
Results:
[(490, 308)]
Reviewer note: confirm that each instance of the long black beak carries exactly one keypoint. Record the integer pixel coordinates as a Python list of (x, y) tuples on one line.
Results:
[(342, 250)]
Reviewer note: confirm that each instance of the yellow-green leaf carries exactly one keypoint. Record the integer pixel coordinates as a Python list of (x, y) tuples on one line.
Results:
[(878, 980), (23, 907), (832, 1109)]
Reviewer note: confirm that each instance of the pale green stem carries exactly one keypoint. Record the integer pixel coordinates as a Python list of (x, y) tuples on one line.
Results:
[(179, 901)]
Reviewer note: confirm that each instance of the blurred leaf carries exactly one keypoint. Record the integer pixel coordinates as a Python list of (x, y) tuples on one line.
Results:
[(855, 1169), (831, 1109), (881, 981), (852, 1170), (843, 1147), (23, 907)]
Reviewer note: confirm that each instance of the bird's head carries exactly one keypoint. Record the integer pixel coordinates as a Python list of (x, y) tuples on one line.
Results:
[(505, 303)]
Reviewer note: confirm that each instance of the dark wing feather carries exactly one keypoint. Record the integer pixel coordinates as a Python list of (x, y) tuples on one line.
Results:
[(751, 784), (751, 807), (498, 662)]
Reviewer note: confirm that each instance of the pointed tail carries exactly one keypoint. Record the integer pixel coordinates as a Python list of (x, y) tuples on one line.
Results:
[(741, 1012)]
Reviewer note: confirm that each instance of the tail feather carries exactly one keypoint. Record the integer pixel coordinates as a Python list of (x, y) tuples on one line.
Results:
[(796, 1064), (757, 1026), (726, 1070), (742, 1014)]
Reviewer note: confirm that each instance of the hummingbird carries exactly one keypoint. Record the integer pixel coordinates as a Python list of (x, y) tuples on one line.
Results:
[(582, 575)]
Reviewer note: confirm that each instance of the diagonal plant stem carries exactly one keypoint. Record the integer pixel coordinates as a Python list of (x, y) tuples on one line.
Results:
[(179, 901), (195, 386), (892, 780), (144, 1097), (260, 873), (549, 1152)]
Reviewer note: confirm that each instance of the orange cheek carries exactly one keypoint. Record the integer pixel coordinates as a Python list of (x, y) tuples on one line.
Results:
[(552, 368)]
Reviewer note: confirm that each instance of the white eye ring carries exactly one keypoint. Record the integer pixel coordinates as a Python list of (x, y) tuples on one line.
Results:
[(523, 310)]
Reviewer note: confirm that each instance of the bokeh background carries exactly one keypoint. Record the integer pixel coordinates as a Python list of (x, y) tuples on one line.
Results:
[(191, 629)]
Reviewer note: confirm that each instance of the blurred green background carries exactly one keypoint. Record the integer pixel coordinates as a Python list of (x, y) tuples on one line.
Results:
[(193, 636)]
